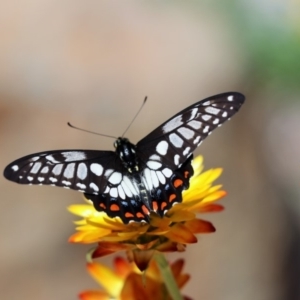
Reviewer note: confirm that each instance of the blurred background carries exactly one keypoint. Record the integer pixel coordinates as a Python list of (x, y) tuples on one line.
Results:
[(92, 63)]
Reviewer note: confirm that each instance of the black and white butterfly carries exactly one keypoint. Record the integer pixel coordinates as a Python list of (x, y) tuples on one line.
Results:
[(135, 179)]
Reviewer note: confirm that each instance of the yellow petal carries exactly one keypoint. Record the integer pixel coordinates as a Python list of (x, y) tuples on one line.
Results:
[(107, 278)]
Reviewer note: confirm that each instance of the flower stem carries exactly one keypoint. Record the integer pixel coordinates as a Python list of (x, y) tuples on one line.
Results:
[(168, 277)]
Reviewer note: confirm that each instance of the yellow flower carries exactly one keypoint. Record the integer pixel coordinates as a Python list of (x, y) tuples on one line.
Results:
[(170, 233), (126, 282)]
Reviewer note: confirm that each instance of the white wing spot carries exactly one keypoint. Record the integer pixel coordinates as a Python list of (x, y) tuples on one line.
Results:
[(154, 157), (161, 177), (130, 185), (107, 189), (52, 159), (74, 155), (148, 178), (154, 179), (57, 169), (206, 117), (96, 169), (167, 172), (94, 187), (53, 179), (186, 132), (35, 158), (45, 170), (176, 140), (15, 168), (186, 150), (172, 124), (162, 147), (195, 124), (206, 129), (126, 189), (29, 178), (197, 139), (114, 192), (65, 182), (115, 178), (230, 98), (121, 192), (81, 185), (176, 159), (40, 179), (231, 107), (69, 170), (82, 171), (216, 121), (153, 165), (212, 110), (193, 113), (206, 103), (225, 114), (36, 168)]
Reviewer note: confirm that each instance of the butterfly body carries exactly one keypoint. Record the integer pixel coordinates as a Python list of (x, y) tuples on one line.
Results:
[(135, 180)]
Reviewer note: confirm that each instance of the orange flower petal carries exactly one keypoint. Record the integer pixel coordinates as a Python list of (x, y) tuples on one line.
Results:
[(181, 234), (210, 208), (200, 226), (105, 248)]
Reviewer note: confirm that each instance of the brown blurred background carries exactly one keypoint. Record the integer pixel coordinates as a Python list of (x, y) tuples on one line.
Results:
[(92, 63)]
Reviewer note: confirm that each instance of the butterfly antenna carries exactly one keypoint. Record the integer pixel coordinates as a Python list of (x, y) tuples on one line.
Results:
[(109, 136), (144, 102)]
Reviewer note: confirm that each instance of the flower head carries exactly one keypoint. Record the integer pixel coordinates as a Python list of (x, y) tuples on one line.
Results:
[(173, 232), (127, 282)]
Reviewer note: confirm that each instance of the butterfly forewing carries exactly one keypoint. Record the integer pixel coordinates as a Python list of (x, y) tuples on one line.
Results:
[(81, 170), (171, 143)]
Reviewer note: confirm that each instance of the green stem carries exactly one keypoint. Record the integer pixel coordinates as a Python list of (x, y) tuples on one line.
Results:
[(168, 276)]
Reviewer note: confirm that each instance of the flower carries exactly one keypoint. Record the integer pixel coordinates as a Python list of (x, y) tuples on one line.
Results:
[(126, 282), (173, 232)]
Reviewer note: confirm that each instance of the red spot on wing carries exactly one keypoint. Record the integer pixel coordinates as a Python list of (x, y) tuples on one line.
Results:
[(154, 205), (145, 210), (139, 215), (163, 205), (172, 197), (114, 207), (178, 183), (129, 215), (186, 174)]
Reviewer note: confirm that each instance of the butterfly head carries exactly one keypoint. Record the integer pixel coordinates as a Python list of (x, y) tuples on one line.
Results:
[(127, 153)]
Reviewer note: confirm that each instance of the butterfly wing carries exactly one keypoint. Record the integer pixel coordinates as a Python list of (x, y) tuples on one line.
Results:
[(170, 144), (81, 170), (165, 154)]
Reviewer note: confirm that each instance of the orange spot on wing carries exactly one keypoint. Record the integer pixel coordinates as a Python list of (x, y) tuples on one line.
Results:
[(129, 215), (114, 207), (163, 205), (172, 197), (102, 205), (178, 183), (139, 215), (154, 205), (145, 210), (186, 174)]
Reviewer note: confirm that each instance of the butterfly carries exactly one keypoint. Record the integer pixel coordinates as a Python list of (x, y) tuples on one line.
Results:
[(134, 180)]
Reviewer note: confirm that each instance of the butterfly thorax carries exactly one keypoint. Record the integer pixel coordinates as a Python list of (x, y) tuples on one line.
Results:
[(126, 151)]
